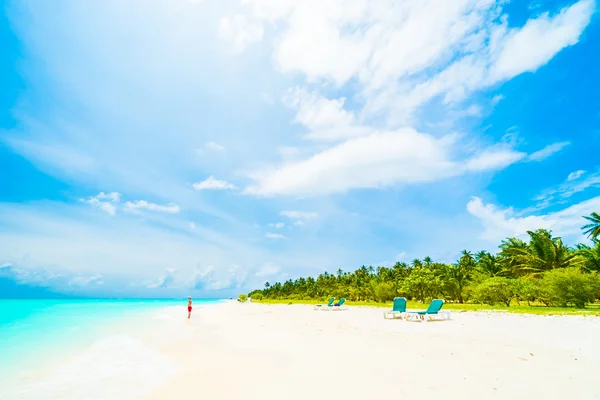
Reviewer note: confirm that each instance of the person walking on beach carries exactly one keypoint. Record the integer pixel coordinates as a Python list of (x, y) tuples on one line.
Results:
[(189, 307)]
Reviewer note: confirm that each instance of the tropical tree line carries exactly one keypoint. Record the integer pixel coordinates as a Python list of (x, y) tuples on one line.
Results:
[(542, 270)]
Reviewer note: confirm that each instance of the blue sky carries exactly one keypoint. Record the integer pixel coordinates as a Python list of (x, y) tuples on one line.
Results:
[(155, 148)]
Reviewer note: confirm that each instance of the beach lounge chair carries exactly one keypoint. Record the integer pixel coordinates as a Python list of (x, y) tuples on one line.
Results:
[(329, 304), (398, 308), (339, 306), (432, 312)]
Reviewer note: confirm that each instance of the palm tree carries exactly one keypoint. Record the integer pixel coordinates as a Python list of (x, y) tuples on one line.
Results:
[(542, 253), (467, 257), (592, 230), (488, 263), (459, 274), (591, 255)]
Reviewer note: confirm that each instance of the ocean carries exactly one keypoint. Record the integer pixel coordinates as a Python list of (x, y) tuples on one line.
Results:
[(35, 333)]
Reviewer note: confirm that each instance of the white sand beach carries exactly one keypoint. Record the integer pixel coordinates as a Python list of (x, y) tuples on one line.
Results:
[(254, 351)]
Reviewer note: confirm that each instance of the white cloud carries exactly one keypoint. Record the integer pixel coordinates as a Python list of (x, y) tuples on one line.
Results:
[(547, 151), (575, 183), (211, 183), (404, 54), (52, 243), (575, 175), (32, 276), (211, 278), (130, 206), (275, 236), (299, 215), (494, 158), (378, 160), (472, 111), (578, 185), (104, 206), (501, 223), (497, 99), (100, 202), (240, 31), (326, 119), (164, 281), (113, 196), (277, 225), (137, 206), (526, 49)]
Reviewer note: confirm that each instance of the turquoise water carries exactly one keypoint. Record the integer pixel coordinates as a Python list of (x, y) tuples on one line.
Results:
[(34, 331)]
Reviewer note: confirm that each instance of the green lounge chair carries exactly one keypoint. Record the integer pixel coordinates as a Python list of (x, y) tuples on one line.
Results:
[(339, 306), (432, 311), (329, 304), (398, 308)]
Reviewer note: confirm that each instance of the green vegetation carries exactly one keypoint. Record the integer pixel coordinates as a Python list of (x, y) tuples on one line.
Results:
[(243, 298), (540, 275), (591, 309)]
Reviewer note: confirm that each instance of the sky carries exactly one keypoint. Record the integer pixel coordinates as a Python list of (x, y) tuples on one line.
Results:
[(165, 149)]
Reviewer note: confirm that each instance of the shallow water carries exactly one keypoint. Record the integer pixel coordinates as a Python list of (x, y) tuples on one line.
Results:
[(80, 337)]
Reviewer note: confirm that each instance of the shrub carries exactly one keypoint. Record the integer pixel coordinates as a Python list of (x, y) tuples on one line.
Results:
[(494, 290), (571, 286), (257, 296), (383, 291), (243, 298)]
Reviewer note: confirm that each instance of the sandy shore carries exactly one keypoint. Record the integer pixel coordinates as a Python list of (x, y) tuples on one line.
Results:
[(253, 351), (256, 351)]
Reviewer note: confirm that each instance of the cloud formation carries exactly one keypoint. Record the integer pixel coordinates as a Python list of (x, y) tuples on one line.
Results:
[(575, 175), (500, 223), (211, 278), (547, 151), (105, 202), (381, 160), (271, 235), (405, 53), (211, 183), (576, 182), (164, 281), (141, 205)]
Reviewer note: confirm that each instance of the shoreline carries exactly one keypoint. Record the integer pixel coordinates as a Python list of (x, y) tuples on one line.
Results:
[(127, 338)]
